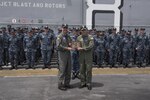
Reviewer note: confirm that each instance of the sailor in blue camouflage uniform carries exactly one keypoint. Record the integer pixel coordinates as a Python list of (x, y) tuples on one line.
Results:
[(47, 40), (93, 32), (100, 45), (142, 45), (75, 55), (120, 52), (113, 46), (1, 49), (147, 52), (6, 46), (13, 49), (36, 34), (148, 57), (134, 51), (20, 36), (106, 58), (127, 43), (29, 44)]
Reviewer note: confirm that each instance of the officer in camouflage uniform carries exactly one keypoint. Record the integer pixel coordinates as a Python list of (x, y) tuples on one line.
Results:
[(142, 45), (1, 49), (100, 44), (64, 55), (127, 43), (29, 44), (85, 48), (47, 40), (13, 49)]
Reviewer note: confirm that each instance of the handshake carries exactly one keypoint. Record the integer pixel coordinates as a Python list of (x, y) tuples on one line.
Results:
[(74, 47), (70, 48)]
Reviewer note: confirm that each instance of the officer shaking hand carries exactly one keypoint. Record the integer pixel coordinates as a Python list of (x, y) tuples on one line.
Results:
[(64, 46)]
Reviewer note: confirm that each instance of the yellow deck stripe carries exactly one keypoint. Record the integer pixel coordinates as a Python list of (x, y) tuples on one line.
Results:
[(54, 71)]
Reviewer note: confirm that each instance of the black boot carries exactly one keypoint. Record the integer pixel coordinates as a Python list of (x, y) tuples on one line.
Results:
[(89, 87), (15, 67), (48, 66), (82, 86), (32, 66), (62, 87), (140, 65), (12, 67), (68, 86), (45, 66), (1, 67), (29, 66), (73, 76), (125, 65), (99, 66), (112, 66)]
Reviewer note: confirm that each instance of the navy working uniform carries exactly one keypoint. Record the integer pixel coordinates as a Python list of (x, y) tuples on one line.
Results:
[(1, 49), (13, 49), (127, 43), (148, 53), (134, 51), (142, 45), (38, 45), (20, 36), (106, 58), (120, 52), (29, 44), (47, 40), (113, 46), (100, 44), (6, 46)]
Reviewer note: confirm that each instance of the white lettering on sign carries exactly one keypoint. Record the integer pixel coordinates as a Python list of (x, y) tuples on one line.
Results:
[(5, 4), (32, 4), (103, 7)]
